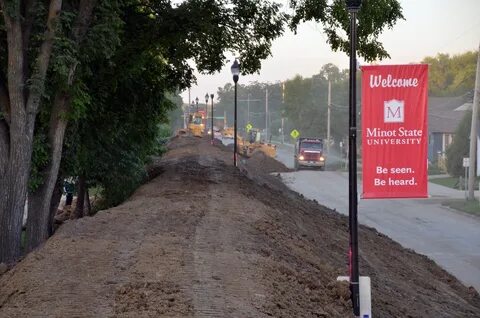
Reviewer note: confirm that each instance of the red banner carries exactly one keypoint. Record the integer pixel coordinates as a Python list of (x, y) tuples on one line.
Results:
[(394, 131)]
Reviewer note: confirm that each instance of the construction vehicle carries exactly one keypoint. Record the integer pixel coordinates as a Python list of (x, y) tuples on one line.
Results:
[(196, 125), (227, 132), (309, 153), (254, 143)]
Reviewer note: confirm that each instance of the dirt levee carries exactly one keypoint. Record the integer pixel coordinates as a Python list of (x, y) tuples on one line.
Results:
[(205, 239), (262, 163)]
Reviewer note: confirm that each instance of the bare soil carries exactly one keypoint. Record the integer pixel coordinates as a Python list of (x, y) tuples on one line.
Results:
[(204, 239)]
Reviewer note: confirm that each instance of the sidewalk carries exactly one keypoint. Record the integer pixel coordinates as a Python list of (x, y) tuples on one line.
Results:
[(436, 190), (438, 176)]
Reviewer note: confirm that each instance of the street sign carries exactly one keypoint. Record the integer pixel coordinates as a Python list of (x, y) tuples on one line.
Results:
[(466, 162), (295, 134), (248, 127)]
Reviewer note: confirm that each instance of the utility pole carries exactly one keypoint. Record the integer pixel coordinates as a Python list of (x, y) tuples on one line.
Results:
[(283, 118), (186, 114), (248, 100), (266, 114), (328, 115), (248, 108), (473, 133)]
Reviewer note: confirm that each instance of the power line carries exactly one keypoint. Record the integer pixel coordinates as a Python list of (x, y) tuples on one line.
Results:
[(477, 23)]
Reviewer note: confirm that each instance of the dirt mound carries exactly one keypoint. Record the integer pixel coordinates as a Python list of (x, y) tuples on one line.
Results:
[(203, 240), (261, 162)]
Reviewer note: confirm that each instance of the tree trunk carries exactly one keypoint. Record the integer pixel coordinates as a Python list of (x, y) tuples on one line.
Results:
[(56, 197), (87, 202), (13, 191), (39, 212), (4, 147), (13, 184), (39, 217), (21, 112), (81, 187)]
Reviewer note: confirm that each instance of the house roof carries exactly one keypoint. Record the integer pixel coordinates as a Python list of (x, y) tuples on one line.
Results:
[(445, 113)]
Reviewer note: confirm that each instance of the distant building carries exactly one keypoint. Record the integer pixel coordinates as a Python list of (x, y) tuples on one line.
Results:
[(444, 116)]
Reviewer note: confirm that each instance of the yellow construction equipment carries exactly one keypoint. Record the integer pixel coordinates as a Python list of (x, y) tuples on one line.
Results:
[(254, 143), (227, 132), (196, 124)]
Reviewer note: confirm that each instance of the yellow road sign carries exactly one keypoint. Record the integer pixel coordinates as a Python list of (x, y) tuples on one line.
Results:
[(248, 127), (295, 134)]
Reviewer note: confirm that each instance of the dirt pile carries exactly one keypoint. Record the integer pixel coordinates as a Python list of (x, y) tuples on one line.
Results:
[(204, 240), (260, 163)]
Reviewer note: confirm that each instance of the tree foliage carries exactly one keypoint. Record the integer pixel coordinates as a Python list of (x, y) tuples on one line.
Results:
[(104, 70), (460, 147), (374, 17), (251, 104), (451, 75), (306, 103), (87, 61), (129, 94), (302, 102)]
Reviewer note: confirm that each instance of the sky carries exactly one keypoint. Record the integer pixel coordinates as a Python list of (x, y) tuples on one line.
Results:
[(430, 27)]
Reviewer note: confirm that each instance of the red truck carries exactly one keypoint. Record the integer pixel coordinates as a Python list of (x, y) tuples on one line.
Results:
[(309, 153)]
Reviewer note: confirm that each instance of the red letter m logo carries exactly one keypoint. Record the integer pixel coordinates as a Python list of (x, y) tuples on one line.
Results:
[(393, 111)]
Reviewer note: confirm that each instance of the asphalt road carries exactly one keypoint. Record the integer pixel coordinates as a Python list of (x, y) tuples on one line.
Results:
[(450, 238)]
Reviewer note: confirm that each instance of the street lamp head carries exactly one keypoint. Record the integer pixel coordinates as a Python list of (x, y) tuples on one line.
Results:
[(353, 5), (206, 98), (196, 99), (235, 70), (211, 96)]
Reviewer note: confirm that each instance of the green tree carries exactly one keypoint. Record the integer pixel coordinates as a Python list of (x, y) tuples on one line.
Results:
[(89, 29), (300, 106), (374, 17), (29, 32), (116, 137), (451, 75), (50, 50), (83, 32), (301, 101), (306, 102), (460, 147)]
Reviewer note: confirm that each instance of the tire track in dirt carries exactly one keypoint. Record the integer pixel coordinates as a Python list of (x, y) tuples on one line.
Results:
[(224, 286)]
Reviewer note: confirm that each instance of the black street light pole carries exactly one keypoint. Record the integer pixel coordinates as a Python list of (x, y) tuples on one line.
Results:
[(206, 112), (235, 72), (196, 99), (211, 96), (206, 104), (353, 6), (191, 109)]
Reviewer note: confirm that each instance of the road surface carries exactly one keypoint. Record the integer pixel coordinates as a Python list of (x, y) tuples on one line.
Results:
[(450, 238)]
